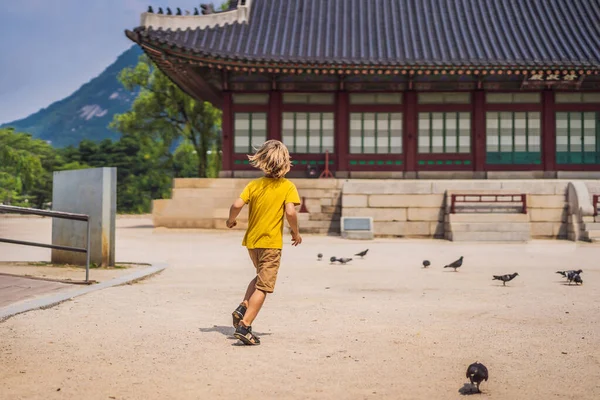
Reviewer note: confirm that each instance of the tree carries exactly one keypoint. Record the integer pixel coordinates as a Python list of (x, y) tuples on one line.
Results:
[(163, 113)]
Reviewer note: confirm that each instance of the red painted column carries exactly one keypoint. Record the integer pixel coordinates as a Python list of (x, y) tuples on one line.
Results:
[(478, 126), (548, 131), (410, 131), (274, 127), (342, 131), (227, 135)]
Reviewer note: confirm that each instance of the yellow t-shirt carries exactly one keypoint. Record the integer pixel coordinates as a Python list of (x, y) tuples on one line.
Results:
[(267, 198)]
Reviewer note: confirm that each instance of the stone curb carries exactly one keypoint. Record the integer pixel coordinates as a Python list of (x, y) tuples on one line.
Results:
[(54, 300)]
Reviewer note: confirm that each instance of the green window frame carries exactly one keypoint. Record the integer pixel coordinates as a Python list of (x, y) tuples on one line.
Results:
[(513, 137), (444, 133), (249, 131), (578, 137), (308, 132), (376, 133)]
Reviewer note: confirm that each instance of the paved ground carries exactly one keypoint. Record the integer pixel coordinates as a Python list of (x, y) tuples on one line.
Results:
[(376, 328), (15, 289)]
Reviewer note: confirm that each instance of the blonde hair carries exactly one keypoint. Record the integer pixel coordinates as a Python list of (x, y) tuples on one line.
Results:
[(272, 158)]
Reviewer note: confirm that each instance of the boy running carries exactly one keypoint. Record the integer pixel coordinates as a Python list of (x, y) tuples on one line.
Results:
[(270, 198)]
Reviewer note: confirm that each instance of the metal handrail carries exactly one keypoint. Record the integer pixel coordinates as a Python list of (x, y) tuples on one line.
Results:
[(53, 214), (595, 203), (513, 198)]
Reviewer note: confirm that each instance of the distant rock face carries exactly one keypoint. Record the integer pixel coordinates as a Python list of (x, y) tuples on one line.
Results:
[(86, 113)]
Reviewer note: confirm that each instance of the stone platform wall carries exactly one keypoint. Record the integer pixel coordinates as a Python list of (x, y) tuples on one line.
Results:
[(417, 208)]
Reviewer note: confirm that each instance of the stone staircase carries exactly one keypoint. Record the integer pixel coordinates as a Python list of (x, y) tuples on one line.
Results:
[(583, 224), (204, 204), (591, 229), (486, 221)]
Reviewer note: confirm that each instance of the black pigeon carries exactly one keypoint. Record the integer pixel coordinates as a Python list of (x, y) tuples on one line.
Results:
[(196, 12), (340, 260), (477, 373), (577, 279), (426, 263), (160, 10), (178, 11), (505, 278), (150, 10), (571, 271), (362, 253), (169, 11), (319, 256), (456, 264)]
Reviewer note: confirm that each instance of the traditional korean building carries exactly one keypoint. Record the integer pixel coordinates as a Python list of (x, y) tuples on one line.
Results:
[(396, 88)]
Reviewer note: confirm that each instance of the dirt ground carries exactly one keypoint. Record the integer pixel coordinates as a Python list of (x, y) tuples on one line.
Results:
[(381, 327)]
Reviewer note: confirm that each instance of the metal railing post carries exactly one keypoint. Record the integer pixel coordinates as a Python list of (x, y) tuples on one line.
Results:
[(524, 200), (87, 251), (452, 201)]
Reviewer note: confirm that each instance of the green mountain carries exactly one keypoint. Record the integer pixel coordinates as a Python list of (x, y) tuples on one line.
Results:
[(86, 113)]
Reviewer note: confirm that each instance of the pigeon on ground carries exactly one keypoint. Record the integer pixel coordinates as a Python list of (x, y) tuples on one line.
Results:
[(456, 264), (571, 271), (340, 260), (160, 10), (577, 279), (362, 253), (477, 373), (150, 10), (319, 256), (505, 278), (426, 263)]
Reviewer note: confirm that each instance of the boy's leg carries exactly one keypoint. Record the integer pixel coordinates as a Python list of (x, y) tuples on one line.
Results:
[(251, 288), (255, 303), (240, 311)]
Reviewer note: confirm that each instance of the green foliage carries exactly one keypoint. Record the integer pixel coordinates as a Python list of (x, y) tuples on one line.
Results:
[(163, 113)]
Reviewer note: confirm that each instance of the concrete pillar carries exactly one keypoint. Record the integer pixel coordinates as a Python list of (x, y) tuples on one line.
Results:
[(92, 192)]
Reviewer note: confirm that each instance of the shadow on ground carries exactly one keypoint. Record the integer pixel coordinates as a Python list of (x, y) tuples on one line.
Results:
[(227, 331)]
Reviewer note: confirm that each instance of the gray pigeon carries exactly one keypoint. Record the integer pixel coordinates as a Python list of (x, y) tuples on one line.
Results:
[(571, 271), (575, 277), (426, 263), (341, 260), (505, 278), (362, 253), (477, 373), (456, 264)]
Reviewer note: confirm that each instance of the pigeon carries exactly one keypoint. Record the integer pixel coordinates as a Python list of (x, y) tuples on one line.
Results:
[(426, 263), (456, 264), (477, 373), (160, 10), (169, 12), (319, 256), (178, 11), (150, 10), (362, 254), (571, 271), (577, 279), (196, 12), (505, 278), (340, 260)]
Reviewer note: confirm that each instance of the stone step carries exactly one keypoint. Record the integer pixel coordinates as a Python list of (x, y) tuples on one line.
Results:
[(488, 236), (487, 217), (591, 226), (594, 234), (488, 227)]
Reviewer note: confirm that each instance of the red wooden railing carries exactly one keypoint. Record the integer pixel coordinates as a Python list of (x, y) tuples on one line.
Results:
[(595, 203), (489, 198)]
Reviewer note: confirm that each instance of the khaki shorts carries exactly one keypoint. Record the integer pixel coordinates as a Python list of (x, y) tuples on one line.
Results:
[(266, 262)]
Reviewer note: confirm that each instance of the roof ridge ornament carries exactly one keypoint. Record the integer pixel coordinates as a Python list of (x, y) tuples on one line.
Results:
[(239, 14)]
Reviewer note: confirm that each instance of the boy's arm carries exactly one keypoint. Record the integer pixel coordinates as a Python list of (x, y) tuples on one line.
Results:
[(234, 211), (292, 218)]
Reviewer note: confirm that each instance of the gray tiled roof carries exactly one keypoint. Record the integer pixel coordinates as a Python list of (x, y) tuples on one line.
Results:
[(404, 32)]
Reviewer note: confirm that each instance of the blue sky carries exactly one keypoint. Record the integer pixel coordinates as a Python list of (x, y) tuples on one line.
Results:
[(49, 48)]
